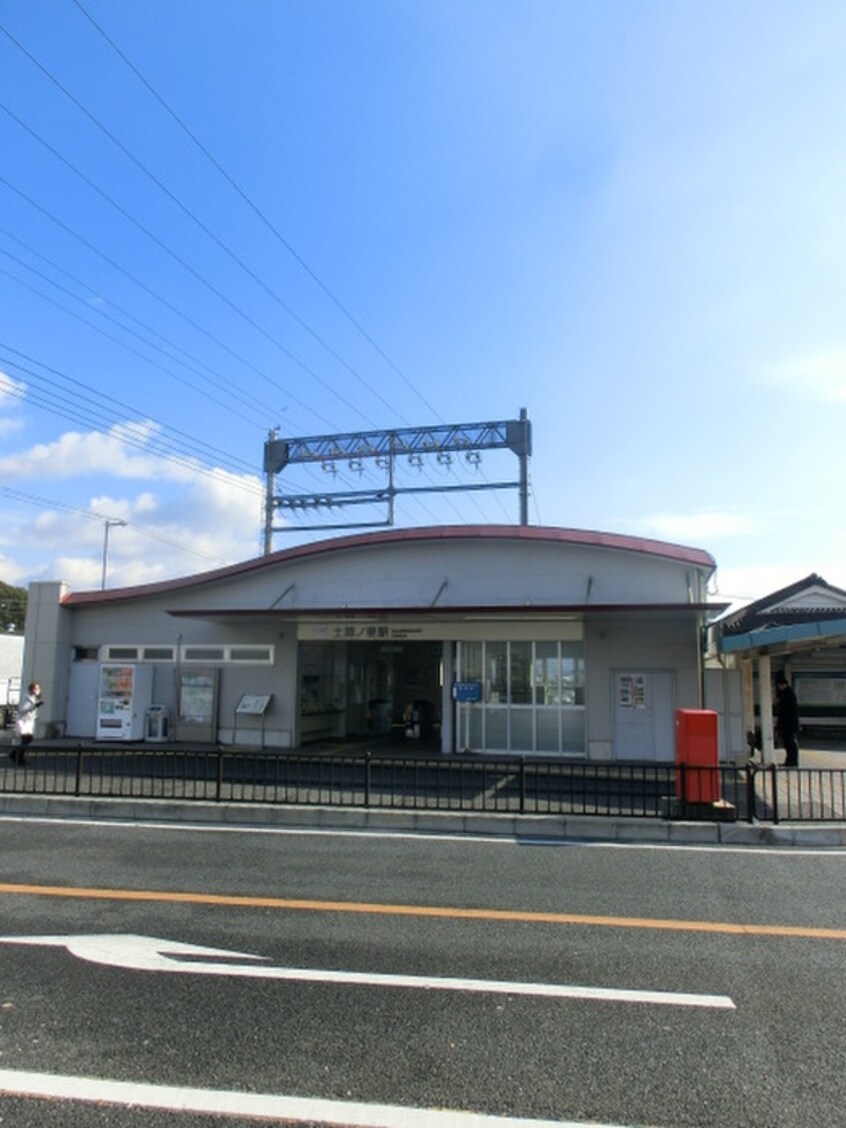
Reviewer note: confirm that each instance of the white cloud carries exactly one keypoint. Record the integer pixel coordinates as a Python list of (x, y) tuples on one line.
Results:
[(747, 583), (12, 571), (207, 523), (11, 393), (135, 431), (10, 427), (821, 375), (118, 453), (183, 518), (695, 528), (74, 455), (10, 388)]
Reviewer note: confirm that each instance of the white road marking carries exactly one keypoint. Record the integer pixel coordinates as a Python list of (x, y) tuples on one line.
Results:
[(260, 1106), (147, 953)]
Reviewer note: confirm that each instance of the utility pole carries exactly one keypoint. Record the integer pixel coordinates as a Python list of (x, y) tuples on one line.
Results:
[(108, 523)]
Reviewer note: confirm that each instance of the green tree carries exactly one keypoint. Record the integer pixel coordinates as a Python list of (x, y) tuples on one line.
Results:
[(12, 607)]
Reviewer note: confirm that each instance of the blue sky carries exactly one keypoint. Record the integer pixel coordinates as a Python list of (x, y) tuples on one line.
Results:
[(222, 217)]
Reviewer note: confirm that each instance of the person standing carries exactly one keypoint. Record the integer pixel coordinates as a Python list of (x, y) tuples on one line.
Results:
[(787, 721), (25, 723)]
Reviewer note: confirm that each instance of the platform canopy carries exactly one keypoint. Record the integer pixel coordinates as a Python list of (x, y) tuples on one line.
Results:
[(806, 619)]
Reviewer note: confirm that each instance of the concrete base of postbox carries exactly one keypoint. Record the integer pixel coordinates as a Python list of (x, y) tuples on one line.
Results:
[(720, 810)]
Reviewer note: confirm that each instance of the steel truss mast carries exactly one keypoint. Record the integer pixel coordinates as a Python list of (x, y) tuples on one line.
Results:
[(413, 443)]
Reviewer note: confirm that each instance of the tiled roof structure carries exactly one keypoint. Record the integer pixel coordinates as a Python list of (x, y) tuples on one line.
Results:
[(806, 601)]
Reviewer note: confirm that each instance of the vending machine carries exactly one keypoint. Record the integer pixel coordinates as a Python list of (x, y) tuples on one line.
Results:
[(124, 696)]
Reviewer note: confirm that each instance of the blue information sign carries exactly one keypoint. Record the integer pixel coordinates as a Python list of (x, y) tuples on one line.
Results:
[(467, 691)]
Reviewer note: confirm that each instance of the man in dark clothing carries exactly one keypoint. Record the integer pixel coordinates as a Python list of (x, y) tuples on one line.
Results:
[(787, 721)]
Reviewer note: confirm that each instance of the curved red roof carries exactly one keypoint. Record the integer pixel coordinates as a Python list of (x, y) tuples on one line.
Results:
[(586, 538)]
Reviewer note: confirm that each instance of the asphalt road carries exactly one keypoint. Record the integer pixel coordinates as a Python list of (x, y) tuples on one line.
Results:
[(715, 980)]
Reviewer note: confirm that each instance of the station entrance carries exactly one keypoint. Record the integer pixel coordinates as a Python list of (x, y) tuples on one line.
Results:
[(352, 690)]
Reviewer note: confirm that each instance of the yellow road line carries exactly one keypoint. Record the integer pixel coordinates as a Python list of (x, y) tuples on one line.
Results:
[(513, 916)]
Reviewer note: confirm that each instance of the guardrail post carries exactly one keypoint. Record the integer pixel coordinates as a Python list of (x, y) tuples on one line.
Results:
[(77, 783), (774, 780), (522, 785), (368, 760), (219, 786), (751, 813), (751, 796)]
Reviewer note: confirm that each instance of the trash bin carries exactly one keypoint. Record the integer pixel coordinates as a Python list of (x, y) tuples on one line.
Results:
[(697, 756), (157, 724)]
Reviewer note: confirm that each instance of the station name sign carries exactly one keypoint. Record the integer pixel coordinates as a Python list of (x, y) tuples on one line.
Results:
[(364, 631), (458, 629)]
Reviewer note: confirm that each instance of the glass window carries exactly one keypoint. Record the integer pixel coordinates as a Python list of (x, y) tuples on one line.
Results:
[(471, 661), (572, 673), (258, 655), (521, 673), (474, 735), (263, 654), (533, 699), (522, 737), (496, 729), (548, 738), (203, 653), (547, 674), (573, 722), (496, 673)]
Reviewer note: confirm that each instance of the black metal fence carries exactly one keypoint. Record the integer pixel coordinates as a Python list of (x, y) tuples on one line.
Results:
[(458, 783)]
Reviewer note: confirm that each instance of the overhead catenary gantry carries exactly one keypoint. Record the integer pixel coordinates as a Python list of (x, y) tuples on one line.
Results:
[(414, 443)]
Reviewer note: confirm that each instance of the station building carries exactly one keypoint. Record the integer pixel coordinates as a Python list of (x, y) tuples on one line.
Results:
[(494, 639)]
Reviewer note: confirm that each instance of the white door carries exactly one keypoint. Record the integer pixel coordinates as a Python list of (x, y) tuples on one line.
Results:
[(644, 711), (83, 687)]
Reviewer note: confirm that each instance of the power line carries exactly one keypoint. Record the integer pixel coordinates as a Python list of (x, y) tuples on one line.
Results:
[(158, 297), (177, 258), (206, 449), (59, 403), (72, 408), (203, 227), (88, 420), (182, 262), (104, 419), (73, 411), (123, 344), (75, 414), (259, 213), (220, 380)]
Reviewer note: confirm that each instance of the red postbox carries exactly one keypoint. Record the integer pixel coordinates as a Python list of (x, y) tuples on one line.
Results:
[(697, 757)]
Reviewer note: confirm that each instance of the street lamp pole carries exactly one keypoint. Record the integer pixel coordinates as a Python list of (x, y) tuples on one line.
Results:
[(108, 523)]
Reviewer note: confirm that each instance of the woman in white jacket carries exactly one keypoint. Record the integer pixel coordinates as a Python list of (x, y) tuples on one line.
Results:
[(25, 724)]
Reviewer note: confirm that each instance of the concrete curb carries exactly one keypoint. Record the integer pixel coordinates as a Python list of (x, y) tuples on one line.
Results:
[(537, 828)]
